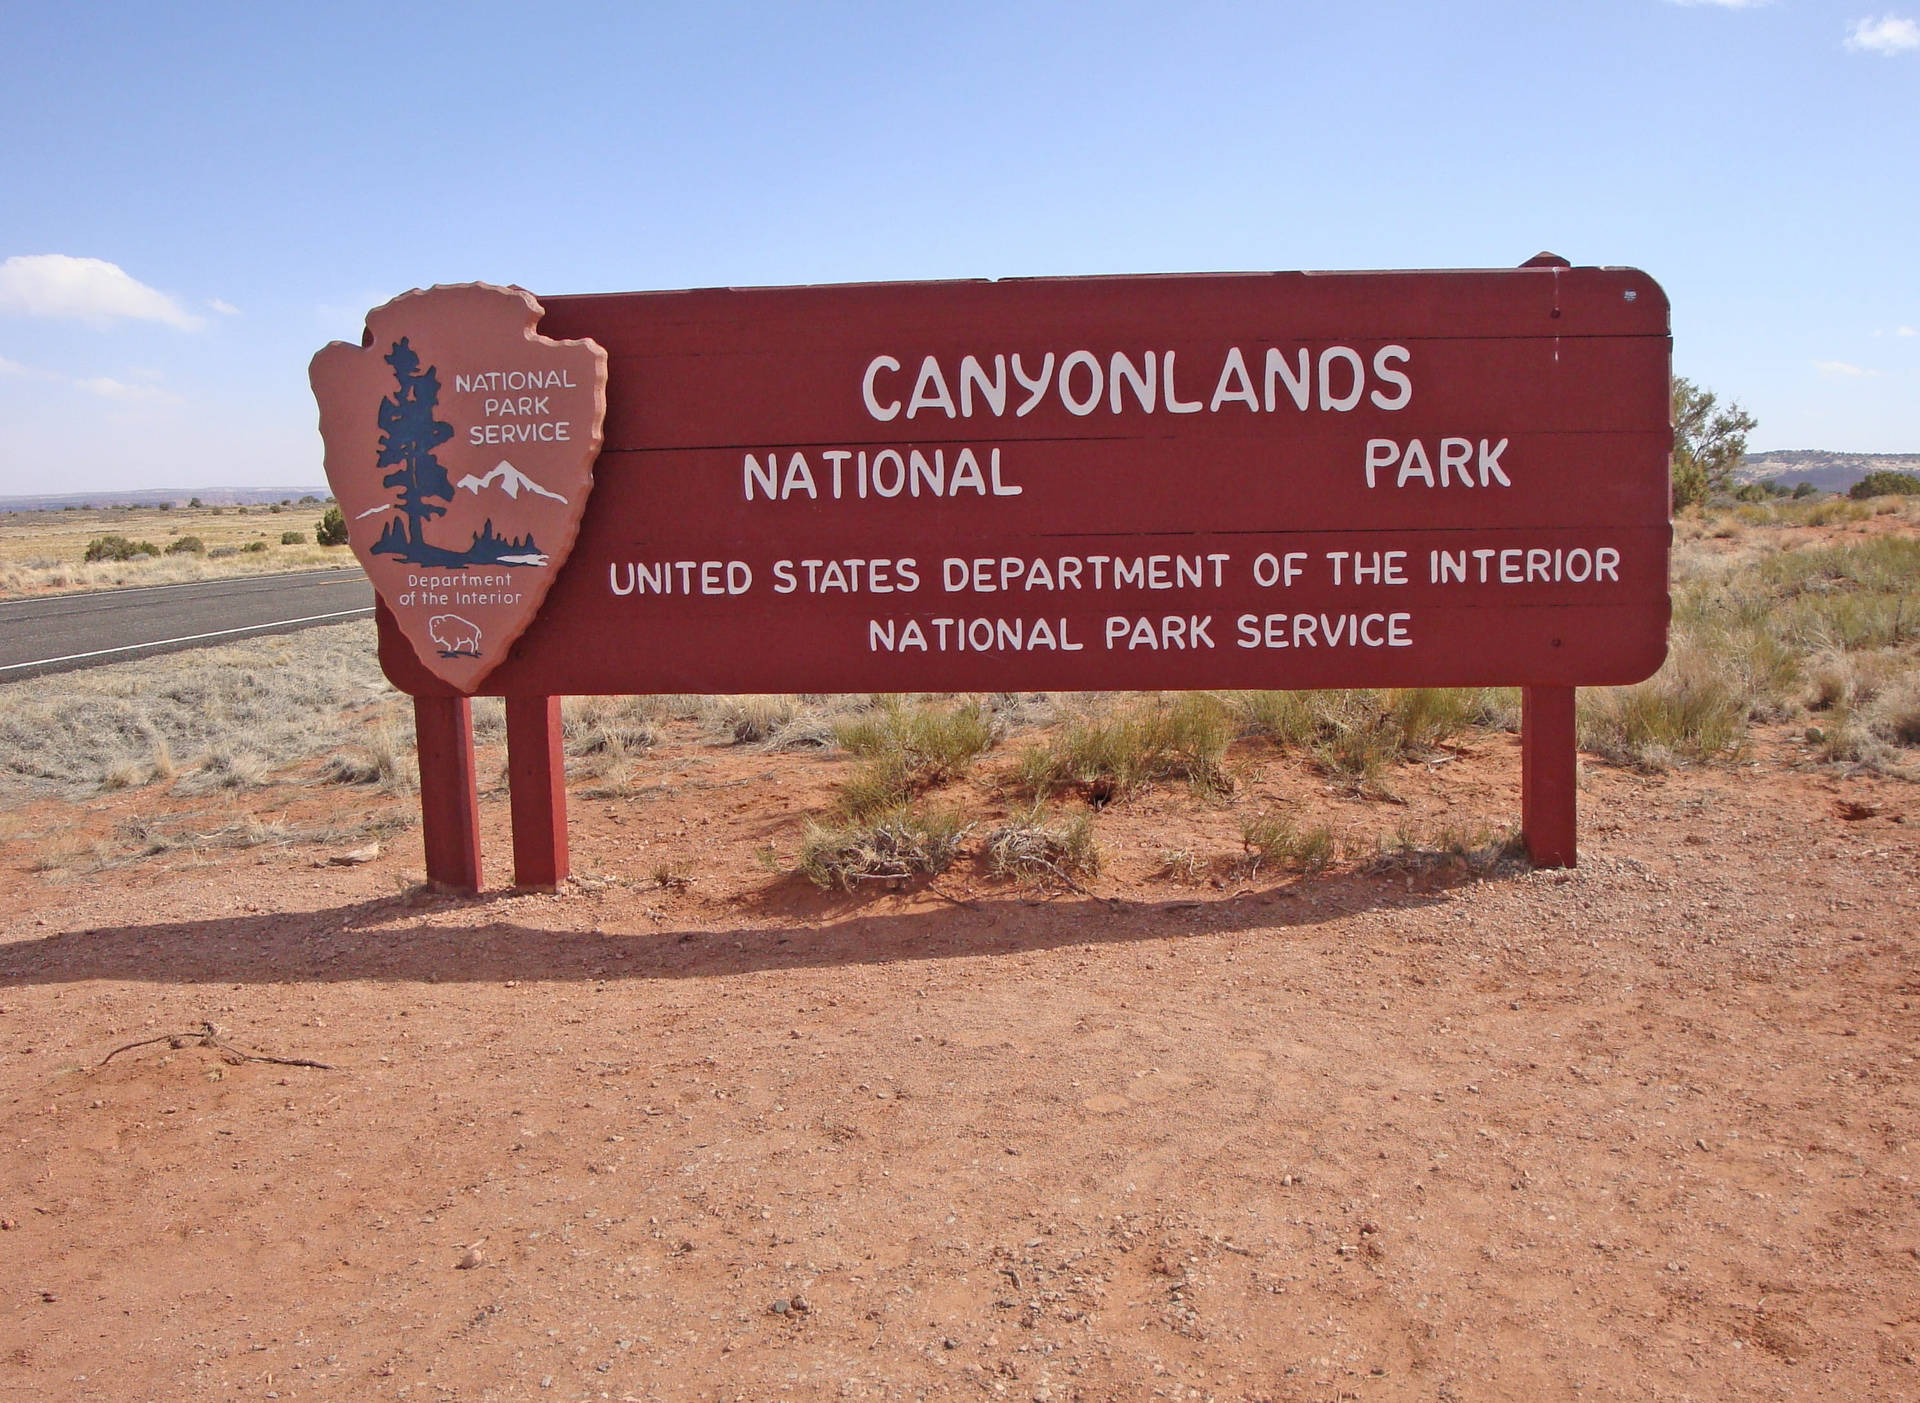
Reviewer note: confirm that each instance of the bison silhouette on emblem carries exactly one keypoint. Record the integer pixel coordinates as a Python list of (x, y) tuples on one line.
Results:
[(457, 637)]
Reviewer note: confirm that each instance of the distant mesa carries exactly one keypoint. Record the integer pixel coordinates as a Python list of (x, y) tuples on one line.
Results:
[(1830, 472), (509, 480), (107, 498)]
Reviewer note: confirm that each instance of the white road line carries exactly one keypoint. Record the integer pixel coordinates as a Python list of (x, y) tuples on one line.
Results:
[(189, 638)]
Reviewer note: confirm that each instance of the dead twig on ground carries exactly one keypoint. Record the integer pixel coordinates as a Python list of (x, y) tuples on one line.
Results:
[(209, 1036)]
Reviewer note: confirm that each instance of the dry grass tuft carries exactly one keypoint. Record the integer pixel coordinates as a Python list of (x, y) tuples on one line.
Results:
[(1276, 839), (907, 749), (754, 719), (1692, 709), (1029, 847), (1355, 736), (1467, 852), (891, 848), (603, 732), (1150, 740), (380, 759), (140, 838)]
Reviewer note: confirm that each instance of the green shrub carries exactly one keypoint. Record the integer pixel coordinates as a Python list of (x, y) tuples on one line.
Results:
[(332, 528), (1269, 837), (1108, 757), (293, 538), (254, 547), (1355, 735), (187, 545), (1694, 708), (1885, 483), (907, 750), (118, 548)]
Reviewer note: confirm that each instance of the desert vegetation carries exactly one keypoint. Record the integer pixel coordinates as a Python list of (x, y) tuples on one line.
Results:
[(1796, 626), (45, 552)]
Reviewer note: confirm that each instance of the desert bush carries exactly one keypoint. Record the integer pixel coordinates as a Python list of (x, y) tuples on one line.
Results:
[(1895, 713), (378, 759), (1401, 722), (293, 538), (1029, 847), (1275, 838), (940, 744), (331, 529), (253, 548), (221, 766), (1692, 709), (608, 727), (1184, 866), (1356, 735), (1885, 484), (754, 719), (896, 845), (114, 547), (907, 749), (1470, 851), (187, 545), (1288, 719), (1147, 741)]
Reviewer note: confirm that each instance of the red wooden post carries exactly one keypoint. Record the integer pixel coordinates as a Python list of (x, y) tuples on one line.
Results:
[(1547, 776), (449, 795), (537, 780)]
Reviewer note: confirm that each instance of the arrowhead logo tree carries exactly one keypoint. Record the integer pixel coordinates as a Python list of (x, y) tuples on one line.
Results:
[(408, 435), (450, 379)]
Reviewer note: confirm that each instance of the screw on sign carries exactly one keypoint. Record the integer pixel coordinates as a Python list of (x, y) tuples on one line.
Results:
[(1271, 480)]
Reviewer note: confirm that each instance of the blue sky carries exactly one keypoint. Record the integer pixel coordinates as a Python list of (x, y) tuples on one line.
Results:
[(197, 197)]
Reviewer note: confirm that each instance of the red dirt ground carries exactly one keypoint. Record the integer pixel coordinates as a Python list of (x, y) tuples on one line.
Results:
[(1643, 1130)]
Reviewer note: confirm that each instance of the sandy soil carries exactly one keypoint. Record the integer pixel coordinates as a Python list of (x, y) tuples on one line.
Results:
[(1643, 1130)]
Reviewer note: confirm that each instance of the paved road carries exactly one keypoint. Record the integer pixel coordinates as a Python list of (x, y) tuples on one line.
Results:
[(66, 631)]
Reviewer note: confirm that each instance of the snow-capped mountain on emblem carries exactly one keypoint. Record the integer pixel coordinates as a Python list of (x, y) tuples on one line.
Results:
[(453, 535), (509, 480)]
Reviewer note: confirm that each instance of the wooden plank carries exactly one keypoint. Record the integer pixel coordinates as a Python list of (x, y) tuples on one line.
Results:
[(1549, 776), (449, 793), (1462, 633), (537, 782)]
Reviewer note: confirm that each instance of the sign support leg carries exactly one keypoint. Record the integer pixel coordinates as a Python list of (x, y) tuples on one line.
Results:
[(1547, 776), (537, 780), (449, 794)]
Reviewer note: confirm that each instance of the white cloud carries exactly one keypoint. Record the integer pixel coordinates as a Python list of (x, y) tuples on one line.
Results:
[(1906, 331), (1887, 36), (1840, 369), (85, 289), (223, 307), (102, 386), (107, 387)]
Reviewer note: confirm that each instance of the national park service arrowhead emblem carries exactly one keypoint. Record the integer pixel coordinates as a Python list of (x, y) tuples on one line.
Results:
[(460, 445)]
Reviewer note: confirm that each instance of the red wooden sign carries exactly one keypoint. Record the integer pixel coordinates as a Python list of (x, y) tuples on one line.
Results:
[(1264, 480)]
